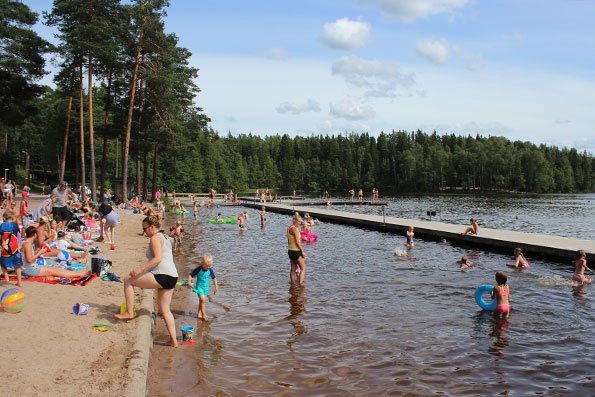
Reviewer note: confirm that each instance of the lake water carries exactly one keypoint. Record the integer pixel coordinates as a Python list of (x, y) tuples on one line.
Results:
[(369, 323)]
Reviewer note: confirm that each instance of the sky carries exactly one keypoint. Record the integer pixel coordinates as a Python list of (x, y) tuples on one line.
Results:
[(523, 69)]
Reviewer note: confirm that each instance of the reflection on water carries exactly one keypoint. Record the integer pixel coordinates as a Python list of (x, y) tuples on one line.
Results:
[(297, 306), (371, 323), (499, 326)]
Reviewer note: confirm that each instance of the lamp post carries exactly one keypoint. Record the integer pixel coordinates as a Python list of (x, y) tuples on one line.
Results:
[(5, 173)]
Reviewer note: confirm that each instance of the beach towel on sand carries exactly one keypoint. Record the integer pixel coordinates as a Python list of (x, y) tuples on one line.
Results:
[(83, 281)]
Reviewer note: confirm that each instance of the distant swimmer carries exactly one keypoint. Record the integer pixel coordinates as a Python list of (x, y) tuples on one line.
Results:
[(473, 229), (263, 215), (521, 261), (465, 263), (579, 268)]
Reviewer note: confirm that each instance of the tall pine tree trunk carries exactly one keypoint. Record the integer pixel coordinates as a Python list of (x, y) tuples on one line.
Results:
[(138, 177), (104, 151), (91, 138), (103, 167), (82, 130), (154, 189), (65, 141), (126, 141), (145, 171)]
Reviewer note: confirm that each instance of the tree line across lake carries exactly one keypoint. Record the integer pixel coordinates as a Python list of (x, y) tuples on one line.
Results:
[(139, 122)]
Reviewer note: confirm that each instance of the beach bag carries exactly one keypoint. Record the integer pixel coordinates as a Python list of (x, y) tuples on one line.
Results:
[(100, 266), (10, 244)]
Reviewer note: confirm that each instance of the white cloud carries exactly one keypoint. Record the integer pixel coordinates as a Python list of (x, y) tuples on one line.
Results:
[(276, 53), (435, 51), (410, 10), (352, 111), (298, 108), (377, 78), (346, 34), (563, 121)]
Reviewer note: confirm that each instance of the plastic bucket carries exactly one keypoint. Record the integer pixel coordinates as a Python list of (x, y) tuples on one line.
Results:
[(187, 333)]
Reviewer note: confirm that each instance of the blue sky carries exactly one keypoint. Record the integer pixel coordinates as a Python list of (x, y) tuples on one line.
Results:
[(524, 69)]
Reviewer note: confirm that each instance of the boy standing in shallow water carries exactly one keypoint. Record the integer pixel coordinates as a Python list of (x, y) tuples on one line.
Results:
[(204, 274), (176, 232)]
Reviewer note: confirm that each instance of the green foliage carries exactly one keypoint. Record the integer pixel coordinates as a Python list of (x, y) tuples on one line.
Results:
[(21, 62)]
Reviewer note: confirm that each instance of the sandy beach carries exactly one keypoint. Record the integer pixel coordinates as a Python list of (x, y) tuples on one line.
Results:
[(47, 350)]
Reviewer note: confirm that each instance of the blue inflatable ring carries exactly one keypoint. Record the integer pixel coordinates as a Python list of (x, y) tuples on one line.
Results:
[(482, 289)]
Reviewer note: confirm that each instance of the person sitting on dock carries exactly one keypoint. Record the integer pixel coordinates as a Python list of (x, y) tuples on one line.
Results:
[(579, 268), (473, 229), (521, 261)]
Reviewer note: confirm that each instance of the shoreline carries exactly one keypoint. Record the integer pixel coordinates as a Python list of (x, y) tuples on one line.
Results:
[(51, 351)]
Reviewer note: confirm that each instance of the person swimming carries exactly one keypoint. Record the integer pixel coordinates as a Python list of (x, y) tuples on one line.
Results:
[(521, 262), (466, 263)]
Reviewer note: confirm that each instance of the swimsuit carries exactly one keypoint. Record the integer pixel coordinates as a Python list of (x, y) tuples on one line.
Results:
[(165, 272), (203, 279), (503, 308), (294, 251), (578, 277)]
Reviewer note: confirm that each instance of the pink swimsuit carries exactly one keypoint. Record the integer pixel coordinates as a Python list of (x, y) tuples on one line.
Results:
[(503, 307)]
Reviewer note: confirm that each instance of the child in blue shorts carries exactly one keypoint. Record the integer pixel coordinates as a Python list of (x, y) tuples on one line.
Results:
[(204, 274)]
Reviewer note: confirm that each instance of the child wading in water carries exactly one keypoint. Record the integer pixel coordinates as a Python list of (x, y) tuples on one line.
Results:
[(502, 292), (204, 274), (579, 268), (521, 261), (195, 210), (176, 233), (410, 234)]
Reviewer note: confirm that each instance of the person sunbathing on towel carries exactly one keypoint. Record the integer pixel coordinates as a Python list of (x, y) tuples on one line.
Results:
[(30, 266)]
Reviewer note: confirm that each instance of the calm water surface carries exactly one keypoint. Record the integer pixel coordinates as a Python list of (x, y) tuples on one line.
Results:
[(369, 323), (567, 215)]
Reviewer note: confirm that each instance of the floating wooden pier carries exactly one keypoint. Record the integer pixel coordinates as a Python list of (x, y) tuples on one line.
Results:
[(296, 202), (542, 245)]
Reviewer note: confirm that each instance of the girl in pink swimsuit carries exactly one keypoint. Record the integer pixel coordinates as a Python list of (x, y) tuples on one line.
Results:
[(521, 261), (501, 292), (579, 268)]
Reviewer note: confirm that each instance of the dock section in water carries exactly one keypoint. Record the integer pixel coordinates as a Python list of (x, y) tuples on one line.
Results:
[(542, 245), (303, 202)]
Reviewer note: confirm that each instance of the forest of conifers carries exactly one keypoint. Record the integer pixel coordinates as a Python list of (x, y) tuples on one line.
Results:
[(140, 122)]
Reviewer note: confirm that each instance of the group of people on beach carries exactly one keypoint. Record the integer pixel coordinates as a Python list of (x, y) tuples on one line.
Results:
[(59, 224)]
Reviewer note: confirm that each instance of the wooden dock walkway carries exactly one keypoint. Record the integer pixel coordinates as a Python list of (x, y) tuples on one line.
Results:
[(314, 202), (542, 245)]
